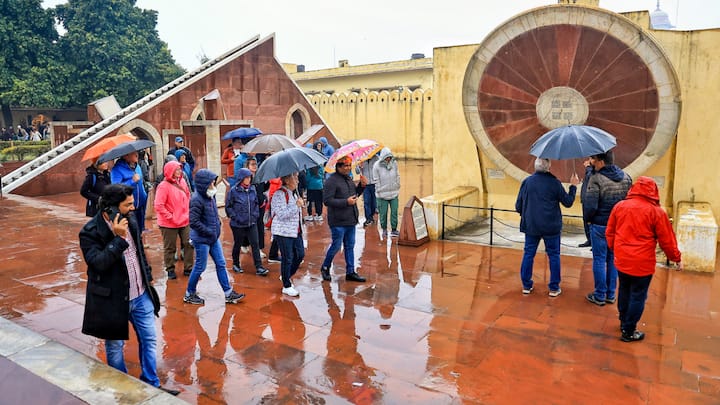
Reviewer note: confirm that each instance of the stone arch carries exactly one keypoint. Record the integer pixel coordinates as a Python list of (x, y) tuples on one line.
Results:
[(297, 120), (144, 130), (198, 114)]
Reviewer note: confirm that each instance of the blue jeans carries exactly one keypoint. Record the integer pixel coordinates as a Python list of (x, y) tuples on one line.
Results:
[(201, 255), (142, 318), (344, 235), (369, 202), (632, 295), (552, 249), (292, 253), (604, 271)]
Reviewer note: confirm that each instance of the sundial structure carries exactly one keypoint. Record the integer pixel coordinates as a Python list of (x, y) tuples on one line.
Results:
[(564, 64)]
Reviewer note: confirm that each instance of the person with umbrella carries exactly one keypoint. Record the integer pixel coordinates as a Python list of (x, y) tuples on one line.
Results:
[(97, 177), (286, 207), (127, 171), (538, 204), (340, 195), (606, 187)]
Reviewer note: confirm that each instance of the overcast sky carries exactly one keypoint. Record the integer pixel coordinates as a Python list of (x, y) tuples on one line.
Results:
[(318, 33)]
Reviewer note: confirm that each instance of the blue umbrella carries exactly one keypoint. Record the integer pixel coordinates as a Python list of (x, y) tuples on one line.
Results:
[(572, 142), (287, 162), (125, 148), (241, 133)]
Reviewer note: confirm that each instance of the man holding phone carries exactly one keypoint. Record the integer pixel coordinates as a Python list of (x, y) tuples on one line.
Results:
[(340, 196), (118, 286)]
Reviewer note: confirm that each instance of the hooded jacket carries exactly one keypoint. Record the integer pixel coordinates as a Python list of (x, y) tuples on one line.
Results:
[(242, 203), (538, 204), (186, 167), (636, 225), (327, 150), (123, 173), (172, 199), (205, 222), (387, 176), (605, 188), (92, 187)]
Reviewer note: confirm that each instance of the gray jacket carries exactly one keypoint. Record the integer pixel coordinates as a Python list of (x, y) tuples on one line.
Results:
[(387, 176)]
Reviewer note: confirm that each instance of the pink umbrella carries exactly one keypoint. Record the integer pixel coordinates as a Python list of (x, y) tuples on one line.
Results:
[(359, 151)]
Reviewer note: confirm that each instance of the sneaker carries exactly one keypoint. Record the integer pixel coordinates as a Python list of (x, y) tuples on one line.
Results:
[(193, 299), (273, 260), (245, 249), (318, 217), (384, 234), (234, 297), (591, 297), (171, 275), (262, 255), (527, 291), (632, 337), (237, 269), (354, 277), (309, 218), (555, 293), (610, 300), (325, 271), (261, 271), (170, 391), (394, 234), (585, 244), (290, 291), (367, 223)]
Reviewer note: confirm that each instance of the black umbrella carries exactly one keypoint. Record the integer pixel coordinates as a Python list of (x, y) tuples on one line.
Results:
[(124, 149), (287, 162)]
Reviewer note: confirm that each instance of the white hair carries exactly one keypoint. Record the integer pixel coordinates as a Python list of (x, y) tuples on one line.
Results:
[(542, 165)]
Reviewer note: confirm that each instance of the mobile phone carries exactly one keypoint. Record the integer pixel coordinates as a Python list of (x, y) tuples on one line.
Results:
[(113, 212)]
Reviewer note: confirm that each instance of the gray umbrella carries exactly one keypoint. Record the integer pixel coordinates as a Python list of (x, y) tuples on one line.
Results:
[(572, 142), (287, 162), (125, 148), (270, 143)]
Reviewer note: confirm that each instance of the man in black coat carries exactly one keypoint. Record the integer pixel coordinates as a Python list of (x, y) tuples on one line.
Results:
[(118, 286), (340, 195)]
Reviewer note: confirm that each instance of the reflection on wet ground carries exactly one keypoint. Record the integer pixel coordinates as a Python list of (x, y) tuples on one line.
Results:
[(441, 323)]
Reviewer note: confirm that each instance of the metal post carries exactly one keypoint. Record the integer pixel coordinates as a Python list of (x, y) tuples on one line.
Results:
[(492, 217), (442, 223)]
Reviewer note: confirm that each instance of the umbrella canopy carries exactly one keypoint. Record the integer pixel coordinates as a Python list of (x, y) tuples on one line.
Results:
[(106, 144), (572, 142), (241, 133), (358, 150), (287, 162), (124, 149), (270, 143)]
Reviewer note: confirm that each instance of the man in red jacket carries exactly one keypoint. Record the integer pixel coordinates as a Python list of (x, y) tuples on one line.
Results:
[(635, 226)]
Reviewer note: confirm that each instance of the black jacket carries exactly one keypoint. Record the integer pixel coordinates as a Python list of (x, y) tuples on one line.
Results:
[(92, 187), (107, 297), (336, 191)]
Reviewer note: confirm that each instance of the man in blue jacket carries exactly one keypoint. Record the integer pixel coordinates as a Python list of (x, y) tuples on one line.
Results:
[(538, 204), (127, 171)]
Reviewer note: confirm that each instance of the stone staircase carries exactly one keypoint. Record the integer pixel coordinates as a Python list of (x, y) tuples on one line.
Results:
[(79, 142)]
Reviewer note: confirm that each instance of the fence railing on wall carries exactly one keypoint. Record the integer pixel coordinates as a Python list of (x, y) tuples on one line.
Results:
[(492, 218)]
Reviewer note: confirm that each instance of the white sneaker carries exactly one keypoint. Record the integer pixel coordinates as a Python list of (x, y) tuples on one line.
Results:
[(309, 218), (318, 217), (245, 249), (262, 255), (290, 291)]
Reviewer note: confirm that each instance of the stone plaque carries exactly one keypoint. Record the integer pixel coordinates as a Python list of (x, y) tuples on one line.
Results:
[(413, 230)]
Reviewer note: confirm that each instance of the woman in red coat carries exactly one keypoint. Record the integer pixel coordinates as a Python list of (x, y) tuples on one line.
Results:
[(635, 227)]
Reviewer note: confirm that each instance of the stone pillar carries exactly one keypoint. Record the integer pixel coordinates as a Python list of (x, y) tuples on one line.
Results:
[(697, 236)]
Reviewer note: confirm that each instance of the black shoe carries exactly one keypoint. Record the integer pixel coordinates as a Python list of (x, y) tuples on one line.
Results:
[(261, 271), (585, 244), (237, 269), (170, 391), (632, 337), (367, 223), (354, 277), (274, 260), (591, 297), (171, 275), (325, 271)]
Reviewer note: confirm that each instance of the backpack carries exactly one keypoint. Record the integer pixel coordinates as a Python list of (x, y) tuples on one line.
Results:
[(268, 217)]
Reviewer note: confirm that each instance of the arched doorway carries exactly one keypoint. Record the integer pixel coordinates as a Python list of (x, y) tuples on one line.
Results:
[(297, 121)]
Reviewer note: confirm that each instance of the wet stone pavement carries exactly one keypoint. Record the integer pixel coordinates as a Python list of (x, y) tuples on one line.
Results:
[(443, 323)]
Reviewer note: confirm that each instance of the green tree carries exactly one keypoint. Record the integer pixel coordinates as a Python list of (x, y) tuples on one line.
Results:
[(113, 47), (27, 38)]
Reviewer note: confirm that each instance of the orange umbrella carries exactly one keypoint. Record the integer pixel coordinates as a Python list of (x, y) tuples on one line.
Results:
[(106, 144)]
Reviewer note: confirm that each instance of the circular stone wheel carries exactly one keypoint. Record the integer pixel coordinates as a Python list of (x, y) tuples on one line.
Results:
[(563, 64)]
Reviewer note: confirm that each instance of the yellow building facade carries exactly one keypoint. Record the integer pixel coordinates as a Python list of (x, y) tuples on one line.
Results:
[(470, 168)]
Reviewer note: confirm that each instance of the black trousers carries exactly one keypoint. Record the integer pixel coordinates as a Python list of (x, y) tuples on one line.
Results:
[(246, 233), (632, 294)]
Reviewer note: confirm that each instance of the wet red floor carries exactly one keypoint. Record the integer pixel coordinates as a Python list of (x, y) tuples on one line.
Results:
[(440, 323)]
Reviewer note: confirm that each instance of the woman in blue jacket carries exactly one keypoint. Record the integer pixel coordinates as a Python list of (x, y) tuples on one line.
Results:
[(243, 210)]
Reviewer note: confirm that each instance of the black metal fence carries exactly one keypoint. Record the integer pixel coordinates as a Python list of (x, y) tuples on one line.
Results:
[(490, 220)]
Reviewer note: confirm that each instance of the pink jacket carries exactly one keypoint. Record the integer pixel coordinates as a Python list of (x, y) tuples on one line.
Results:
[(172, 199)]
